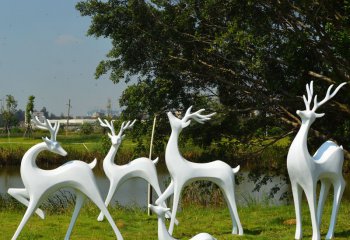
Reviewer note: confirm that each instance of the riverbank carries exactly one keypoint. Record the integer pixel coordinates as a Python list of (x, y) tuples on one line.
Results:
[(88, 147), (259, 222)]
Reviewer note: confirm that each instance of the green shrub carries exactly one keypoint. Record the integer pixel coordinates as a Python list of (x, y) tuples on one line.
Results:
[(87, 128)]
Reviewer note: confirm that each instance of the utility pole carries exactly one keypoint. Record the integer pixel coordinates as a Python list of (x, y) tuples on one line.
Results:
[(149, 187), (2, 108), (69, 107), (109, 107)]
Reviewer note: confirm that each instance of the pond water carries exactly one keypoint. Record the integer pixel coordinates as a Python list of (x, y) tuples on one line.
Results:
[(134, 191)]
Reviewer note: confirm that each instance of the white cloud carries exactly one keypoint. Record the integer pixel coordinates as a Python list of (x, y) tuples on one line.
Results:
[(65, 39)]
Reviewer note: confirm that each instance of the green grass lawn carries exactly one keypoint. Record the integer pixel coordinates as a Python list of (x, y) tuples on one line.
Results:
[(259, 222)]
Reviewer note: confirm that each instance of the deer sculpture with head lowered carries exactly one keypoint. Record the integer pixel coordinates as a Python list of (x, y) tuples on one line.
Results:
[(183, 172), (163, 233), (305, 170), (117, 174), (40, 183)]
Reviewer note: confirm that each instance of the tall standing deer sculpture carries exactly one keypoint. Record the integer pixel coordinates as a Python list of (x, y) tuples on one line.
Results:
[(117, 174), (183, 172), (305, 170), (40, 183)]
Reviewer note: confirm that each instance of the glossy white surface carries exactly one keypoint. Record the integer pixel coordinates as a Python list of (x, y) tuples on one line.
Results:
[(117, 174), (39, 183), (305, 170), (163, 233), (183, 172)]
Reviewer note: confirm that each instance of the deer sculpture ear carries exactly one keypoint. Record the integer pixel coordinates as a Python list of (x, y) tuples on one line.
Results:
[(171, 116), (319, 115), (46, 140), (186, 124), (123, 136), (109, 135)]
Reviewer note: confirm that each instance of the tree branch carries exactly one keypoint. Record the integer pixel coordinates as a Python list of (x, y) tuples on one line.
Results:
[(322, 77)]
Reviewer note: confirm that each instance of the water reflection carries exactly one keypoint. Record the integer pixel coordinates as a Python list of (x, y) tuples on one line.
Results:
[(134, 191)]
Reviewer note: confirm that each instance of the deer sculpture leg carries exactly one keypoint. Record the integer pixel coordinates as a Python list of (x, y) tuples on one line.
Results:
[(310, 193), (229, 196), (33, 204), (95, 197), (339, 187), (297, 196), (166, 194), (21, 195), (155, 185), (112, 189), (177, 193), (80, 198), (325, 186)]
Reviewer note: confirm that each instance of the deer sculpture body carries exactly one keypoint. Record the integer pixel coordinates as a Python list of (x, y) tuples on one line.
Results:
[(305, 170), (183, 172), (163, 233), (117, 174), (39, 183)]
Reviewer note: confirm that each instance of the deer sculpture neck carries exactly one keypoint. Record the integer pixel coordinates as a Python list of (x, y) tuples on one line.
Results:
[(160, 211), (172, 153), (109, 158), (29, 158), (300, 141)]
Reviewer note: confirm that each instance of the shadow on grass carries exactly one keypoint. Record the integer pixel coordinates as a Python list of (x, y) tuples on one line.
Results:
[(344, 234), (252, 231)]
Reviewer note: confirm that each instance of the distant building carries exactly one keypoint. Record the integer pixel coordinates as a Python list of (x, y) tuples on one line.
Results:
[(102, 113)]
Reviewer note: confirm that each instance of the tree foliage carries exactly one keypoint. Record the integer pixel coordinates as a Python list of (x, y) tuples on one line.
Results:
[(246, 55), (8, 113), (28, 115)]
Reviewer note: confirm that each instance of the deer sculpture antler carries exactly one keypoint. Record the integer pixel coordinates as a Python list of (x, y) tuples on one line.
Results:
[(46, 125), (197, 116), (329, 95), (110, 125)]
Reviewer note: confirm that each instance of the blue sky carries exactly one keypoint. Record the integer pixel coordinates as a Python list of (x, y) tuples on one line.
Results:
[(44, 51)]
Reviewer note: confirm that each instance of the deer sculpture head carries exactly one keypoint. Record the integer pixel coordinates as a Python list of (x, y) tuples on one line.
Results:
[(159, 210), (309, 114), (116, 139), (179, 124), (51, 143)]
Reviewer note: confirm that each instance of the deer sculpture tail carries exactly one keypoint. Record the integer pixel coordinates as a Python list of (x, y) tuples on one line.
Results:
[(93, 163), (155, 161), (236, 169)]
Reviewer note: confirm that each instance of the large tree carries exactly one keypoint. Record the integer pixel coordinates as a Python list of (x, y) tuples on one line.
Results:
[(248, 55)]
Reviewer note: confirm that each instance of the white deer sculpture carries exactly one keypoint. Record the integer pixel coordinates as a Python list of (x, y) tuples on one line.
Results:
[(117, 174), (183, 172), (40, 183), (163, 233), (305, 170)]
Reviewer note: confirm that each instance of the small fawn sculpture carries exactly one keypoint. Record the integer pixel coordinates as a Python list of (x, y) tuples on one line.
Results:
[(183, 172), (117, 174), (163, 233), (40, 183), (305, 170)]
